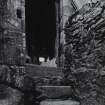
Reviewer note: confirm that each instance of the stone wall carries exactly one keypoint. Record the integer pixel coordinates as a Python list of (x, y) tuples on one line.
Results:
[(67, 10), (85, 54), (12, 20), (12, 44), (64, 9), (12, 38)]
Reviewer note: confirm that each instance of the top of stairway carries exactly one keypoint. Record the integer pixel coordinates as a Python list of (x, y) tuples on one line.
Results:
[(38, 70)]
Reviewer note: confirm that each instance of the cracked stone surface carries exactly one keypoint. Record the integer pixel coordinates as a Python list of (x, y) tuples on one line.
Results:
[(84, 54)]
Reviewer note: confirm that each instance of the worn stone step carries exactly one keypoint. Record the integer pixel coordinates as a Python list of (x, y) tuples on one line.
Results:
[(44, 75), (55, 92), (59, 102), (37, 70)]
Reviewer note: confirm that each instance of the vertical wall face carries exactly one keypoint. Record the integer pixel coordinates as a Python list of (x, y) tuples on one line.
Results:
[(84, 54), (12, 32), (12, 42), (66, 10), (80, 3)]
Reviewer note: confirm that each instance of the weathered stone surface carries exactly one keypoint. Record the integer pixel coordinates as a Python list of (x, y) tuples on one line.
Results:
[(12, 51), (13, 96), (12, 76), (11, 32), (84, 53), (16, 78), (45, 75), (55, 92), (59, 102)]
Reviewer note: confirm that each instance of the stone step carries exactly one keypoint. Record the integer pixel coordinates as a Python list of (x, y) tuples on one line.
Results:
[(37, 70), (44, 75), (55, 92), (59, 102)]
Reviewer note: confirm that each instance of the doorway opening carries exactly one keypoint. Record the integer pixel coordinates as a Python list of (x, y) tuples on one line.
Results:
[(40, 29)]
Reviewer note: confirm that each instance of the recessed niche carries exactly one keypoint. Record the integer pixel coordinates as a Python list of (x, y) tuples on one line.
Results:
[(19, 13)]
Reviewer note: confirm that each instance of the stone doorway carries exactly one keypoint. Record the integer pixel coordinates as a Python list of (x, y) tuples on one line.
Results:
[(40, 29)]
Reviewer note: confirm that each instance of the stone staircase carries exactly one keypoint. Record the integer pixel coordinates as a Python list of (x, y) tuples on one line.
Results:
[(48, 80)]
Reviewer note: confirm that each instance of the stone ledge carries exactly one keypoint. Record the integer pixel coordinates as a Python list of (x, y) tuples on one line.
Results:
[(55, 92), (59, 102), (37, 70)]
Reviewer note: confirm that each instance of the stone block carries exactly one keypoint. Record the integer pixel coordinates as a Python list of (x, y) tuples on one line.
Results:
[(11, 49), (59, 102), (45, 75), (55, 91), (13, 97)]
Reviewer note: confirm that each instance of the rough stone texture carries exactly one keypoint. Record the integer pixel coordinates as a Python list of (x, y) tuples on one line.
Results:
[(45, 75), (85, 54), (13, 96), (12, 32), (55, 92), (64, 9), (13, 75), (12, 49), (59, 102), (16, 78)]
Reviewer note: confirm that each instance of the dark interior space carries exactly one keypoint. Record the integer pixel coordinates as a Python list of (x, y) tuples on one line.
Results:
[(40, 28)]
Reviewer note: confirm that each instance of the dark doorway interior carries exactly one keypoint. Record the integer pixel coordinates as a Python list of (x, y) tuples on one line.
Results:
[(40, 28)]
